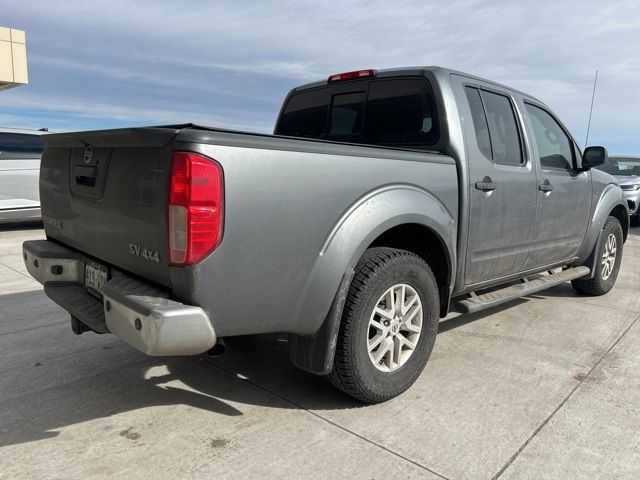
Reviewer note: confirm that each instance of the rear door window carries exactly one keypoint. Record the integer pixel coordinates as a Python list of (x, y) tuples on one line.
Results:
[(480, 125), (20, 145), (495, 126), (399, 112), (505, 138)]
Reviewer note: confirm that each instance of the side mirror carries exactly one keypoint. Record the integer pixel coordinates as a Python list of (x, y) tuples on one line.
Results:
[(594, 156)]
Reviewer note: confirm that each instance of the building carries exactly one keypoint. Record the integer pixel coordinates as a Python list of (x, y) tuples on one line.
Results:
[(13, 58)]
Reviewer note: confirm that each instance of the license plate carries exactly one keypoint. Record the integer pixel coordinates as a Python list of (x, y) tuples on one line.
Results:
[(95, 278)]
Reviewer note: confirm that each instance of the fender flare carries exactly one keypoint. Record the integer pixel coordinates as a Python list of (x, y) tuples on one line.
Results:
[(320, 306), (610, 199)]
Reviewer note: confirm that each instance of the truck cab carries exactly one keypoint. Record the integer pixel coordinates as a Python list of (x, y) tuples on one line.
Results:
[(526, 198)]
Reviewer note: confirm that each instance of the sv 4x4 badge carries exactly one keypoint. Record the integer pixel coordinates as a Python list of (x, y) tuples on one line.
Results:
[(138, 251)]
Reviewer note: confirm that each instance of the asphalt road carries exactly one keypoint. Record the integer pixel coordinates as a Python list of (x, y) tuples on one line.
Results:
[(546, 387)]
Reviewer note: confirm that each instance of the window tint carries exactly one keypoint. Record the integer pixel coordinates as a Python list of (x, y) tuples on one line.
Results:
[(398, 112), (20, 145), (346, 117), (554, 146), (503, 130), (401, 112), (479, 121), (305, 115), (495, 126)]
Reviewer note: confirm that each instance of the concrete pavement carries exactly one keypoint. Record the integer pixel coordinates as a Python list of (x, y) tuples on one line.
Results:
[(545, 387)]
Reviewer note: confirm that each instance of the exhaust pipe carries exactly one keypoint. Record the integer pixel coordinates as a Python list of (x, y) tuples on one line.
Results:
[(218, 349)]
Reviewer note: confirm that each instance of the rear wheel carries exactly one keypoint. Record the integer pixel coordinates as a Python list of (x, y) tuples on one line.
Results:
[(609, 257), (389, 325)]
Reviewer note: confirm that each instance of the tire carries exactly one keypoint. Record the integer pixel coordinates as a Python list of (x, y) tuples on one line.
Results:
[(606, 272), (406, 276)]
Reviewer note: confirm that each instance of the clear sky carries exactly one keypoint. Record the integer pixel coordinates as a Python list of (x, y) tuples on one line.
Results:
[(229, 63)]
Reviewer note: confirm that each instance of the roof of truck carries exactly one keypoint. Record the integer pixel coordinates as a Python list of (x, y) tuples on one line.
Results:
[(417, 70)]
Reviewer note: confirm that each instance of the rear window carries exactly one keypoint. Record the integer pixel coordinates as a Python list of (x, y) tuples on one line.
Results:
[(20, 145), (395, 112), (346, 117)]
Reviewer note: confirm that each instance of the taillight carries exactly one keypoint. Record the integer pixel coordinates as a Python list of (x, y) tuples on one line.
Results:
[(340, 77), (195, 207)]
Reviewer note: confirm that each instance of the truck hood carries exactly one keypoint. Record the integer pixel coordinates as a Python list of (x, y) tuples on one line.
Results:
[(628, 180)]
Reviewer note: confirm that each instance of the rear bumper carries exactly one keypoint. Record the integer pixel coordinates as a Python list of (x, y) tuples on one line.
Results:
[(138, 313)]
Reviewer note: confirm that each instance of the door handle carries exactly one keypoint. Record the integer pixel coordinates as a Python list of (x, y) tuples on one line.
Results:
[(545, 187), (486, 185), (85, 175)]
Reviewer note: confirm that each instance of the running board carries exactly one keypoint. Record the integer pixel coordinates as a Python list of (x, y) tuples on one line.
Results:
[(475, 303)]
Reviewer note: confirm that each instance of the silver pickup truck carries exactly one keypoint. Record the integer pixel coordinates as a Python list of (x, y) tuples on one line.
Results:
[(384, 199)]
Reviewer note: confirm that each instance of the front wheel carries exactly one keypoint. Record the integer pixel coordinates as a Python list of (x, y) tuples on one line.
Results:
[(389, 325), (609, 257)]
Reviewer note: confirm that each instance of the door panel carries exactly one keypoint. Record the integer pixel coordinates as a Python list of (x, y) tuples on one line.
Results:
[(564, 206), (502, 185)]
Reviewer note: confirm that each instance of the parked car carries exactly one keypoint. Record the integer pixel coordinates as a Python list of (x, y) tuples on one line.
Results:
[(451, 189), (627, 170), (20, 152)]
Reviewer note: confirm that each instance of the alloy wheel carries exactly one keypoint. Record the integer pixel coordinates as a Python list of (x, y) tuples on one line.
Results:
[(394, 327)]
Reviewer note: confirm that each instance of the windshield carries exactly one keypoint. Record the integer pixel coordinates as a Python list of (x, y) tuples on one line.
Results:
[(398, 112), (629, 167)]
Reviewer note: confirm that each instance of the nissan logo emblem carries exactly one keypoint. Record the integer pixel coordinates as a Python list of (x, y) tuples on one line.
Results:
[(88, 153)]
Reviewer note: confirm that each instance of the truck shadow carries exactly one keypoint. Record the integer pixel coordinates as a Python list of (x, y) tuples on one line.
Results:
[(51, 379), (46, 387)]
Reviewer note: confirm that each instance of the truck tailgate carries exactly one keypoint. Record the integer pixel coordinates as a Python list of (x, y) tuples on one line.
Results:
[(105, 194)]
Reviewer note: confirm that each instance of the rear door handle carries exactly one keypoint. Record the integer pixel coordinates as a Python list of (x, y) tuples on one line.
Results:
[(486, 185), (545, 187)]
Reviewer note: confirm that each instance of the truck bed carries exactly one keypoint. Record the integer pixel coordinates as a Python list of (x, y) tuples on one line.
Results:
[(285, 196)]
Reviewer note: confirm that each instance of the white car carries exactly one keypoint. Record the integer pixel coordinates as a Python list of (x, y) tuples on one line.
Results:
[(20, 153)]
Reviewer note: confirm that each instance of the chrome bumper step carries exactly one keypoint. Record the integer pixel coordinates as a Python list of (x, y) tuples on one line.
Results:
[(138, 313)]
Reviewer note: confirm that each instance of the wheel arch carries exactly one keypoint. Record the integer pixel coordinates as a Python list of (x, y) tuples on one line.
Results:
[(622, 213), (429, 246), (380, 218), (610, 203)]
